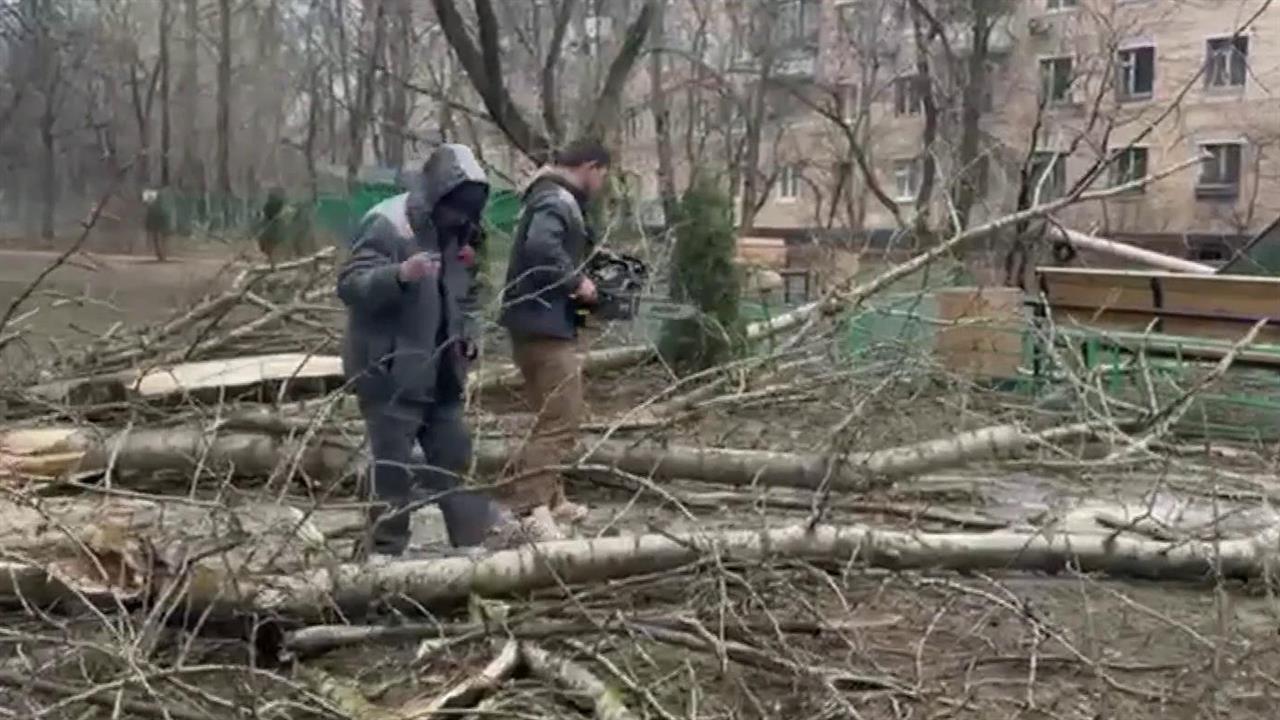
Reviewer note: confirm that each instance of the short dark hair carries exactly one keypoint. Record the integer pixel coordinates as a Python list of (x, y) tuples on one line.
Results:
[(585, 151)]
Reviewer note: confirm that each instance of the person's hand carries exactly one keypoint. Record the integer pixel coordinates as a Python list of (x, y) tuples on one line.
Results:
[(586, 291), (418, 266)]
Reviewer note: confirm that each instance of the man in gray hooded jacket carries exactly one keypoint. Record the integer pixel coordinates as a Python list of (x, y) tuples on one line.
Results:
[(409, 289)]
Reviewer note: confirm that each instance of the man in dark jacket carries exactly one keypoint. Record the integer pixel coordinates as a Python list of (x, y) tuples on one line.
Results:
[(409, 289), (545, 288)]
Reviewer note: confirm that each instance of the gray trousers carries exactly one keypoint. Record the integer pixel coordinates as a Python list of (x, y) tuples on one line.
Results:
[(401, 478)]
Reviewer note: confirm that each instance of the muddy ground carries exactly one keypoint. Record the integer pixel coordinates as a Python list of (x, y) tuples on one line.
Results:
[(832, 639)]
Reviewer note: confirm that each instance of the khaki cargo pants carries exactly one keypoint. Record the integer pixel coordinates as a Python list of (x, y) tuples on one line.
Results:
[(553, 390)]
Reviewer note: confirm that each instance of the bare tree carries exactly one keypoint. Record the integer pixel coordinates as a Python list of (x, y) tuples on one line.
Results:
[(225, 50), (481, 58), (162, 64)]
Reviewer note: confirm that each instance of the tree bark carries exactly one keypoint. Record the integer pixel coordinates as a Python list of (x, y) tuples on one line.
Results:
[(447, 581), (550, 88), (224, 100), (972, 100), (192, 173), (482, 65), (851, 472), (372, 42), (166, 120), (143, 100), (49, 80), (401, 52), (313, 594), (925, 86), (313, 107), (56, 452), (49, 168), (661, 108), (604, 114)]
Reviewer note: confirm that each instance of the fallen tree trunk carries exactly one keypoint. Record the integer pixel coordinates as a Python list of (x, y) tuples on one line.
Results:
[(60, 452), (727, 466), (451, 580), (1131, 252), (205, 380), (508, 377), (70, 452)]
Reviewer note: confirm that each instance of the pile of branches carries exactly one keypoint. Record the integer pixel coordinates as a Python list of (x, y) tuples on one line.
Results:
[(276, 308), (192, 560)]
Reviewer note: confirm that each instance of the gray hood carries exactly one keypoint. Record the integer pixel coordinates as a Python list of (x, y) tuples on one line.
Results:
[(449, 167)]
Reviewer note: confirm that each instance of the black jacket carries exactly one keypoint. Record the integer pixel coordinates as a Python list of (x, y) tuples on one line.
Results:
[(401, 336), (552, 241)]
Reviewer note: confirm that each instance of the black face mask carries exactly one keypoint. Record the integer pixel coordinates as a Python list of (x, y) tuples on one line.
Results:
[(450, 219)]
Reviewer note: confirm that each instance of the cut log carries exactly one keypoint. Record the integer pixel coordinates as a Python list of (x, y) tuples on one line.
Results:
[(106, 550), (241, 567), (507, 377), (69, 452), (452, 580), (1130, 252), (849, 472), (206, 379), (211, 380), (47, 453)]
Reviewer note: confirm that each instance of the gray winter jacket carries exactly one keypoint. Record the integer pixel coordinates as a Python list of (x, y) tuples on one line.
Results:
[(402, 336), (551, 243)]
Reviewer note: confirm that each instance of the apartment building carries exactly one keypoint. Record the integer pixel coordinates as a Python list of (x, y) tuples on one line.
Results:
[(1136, 85)]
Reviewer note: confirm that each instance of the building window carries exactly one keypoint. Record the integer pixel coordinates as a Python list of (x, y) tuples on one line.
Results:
[(1226, 62), (788, 182), (798, 21), (1130, 165), (848, 101), (854, 14), (1061, 4), (1220, 172), (908, 95), (1214, 252), (1137, 68), (1056, 80), (1048, 176), (634, 124), (906, 179)]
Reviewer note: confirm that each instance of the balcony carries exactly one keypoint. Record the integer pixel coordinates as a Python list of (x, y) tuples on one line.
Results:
[(999, 42), (797, 64)]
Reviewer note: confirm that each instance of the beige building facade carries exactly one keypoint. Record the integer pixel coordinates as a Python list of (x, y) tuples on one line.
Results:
[(1104, 90), (1116, 88)]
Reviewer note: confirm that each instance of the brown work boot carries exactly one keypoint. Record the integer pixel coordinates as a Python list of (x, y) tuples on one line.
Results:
[(510, 531), (569, 513), (540, 525)]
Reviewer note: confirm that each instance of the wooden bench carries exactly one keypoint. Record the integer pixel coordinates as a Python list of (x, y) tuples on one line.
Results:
[(1191, 316)]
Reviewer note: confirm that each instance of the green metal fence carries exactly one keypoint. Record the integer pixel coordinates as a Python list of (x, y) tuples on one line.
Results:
[(335, 216)]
